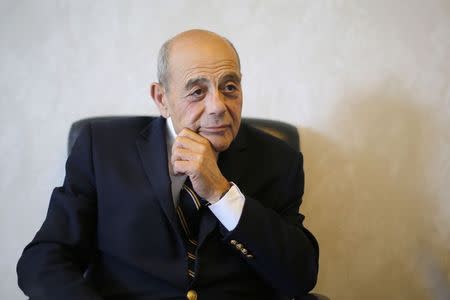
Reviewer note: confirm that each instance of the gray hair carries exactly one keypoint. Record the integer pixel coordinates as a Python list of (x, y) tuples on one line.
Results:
[(163, 62)]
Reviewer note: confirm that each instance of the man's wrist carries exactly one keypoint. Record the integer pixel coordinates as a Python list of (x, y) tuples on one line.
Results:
[(220, 193)]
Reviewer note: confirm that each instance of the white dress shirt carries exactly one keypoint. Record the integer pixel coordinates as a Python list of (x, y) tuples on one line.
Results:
[(228, 209)]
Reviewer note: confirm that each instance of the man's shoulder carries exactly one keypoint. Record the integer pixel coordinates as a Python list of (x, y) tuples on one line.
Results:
[(264, 157), (120, 123), (116, 130), (267, 144), (120, 127)]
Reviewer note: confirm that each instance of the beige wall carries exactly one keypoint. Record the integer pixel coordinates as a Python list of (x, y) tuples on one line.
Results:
[(366, 82), (378, 198)]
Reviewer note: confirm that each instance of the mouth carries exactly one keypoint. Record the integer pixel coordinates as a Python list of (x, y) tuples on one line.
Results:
[(214, 129)]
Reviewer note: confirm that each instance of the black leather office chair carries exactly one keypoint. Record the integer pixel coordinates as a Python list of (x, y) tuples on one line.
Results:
[(281, 130)]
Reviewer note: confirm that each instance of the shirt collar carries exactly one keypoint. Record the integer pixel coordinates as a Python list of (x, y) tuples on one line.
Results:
[(170, 133)]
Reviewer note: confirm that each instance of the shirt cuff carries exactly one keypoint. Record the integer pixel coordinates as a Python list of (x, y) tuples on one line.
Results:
[(229, 208)]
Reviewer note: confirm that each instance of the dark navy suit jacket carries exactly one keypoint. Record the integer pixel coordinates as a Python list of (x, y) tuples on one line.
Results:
[(111, 230)]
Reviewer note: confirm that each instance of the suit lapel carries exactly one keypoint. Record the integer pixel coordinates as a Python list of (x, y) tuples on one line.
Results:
[(153, 152)]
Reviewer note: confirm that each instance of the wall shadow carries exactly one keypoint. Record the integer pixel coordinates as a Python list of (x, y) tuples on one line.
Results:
[(376, 198)]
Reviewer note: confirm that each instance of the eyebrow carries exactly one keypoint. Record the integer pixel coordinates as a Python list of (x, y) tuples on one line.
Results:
[(202, 80), (231, 77), (195, 81)]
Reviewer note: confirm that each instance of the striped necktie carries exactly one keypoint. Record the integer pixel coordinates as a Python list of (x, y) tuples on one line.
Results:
[(189, 211)]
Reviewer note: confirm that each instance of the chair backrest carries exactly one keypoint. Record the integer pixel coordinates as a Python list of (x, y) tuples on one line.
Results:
[(281, 130)]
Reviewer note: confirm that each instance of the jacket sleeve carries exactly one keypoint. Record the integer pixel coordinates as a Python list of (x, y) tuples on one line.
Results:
[(272, 239), (53, 264)]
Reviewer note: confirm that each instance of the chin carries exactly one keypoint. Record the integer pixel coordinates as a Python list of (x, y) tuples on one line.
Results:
[(220, 147), (219, 144)]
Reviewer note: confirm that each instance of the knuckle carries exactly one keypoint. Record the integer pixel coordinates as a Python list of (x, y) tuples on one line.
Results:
[(175, 154), (176, 144), (184, 132), (178, 141)]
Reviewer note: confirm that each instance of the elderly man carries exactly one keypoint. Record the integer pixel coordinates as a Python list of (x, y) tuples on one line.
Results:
[(188, 205)]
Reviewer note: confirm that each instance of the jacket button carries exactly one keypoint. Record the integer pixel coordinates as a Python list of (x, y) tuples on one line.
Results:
[(233, 242), (244, 251), (191, 295), (239, 246)]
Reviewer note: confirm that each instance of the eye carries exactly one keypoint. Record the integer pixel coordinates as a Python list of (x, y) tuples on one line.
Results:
[(229, 88), (197, 94)]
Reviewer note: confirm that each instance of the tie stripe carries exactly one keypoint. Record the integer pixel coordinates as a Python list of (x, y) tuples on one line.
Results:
[(183, 221), (193, 196), (192, 256), (189, 216)]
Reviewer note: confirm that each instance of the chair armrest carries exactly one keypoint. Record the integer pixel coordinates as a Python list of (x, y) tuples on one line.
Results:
[(312, 296), (320, 297)]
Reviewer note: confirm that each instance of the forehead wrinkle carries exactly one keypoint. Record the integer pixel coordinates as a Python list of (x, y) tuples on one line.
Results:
[(200, 73), (219, 64)]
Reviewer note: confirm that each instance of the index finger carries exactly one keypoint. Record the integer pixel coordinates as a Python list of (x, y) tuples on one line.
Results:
[(189, 133)]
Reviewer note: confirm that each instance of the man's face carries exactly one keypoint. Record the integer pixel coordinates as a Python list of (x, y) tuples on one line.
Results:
[(204, 92)]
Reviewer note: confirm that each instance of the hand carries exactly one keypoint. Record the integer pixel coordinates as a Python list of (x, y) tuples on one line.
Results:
[(193, 155)]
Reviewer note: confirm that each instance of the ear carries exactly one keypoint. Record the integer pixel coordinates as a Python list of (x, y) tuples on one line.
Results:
[(158, 93)]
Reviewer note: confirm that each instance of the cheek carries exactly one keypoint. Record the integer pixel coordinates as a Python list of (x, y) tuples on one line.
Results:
[(235, 108), (191, 114)]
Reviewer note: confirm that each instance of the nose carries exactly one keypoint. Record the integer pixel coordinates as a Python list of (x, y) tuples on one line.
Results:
[(215, 104)]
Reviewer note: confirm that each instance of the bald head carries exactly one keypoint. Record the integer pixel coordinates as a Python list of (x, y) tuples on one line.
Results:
[(191, 40)]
